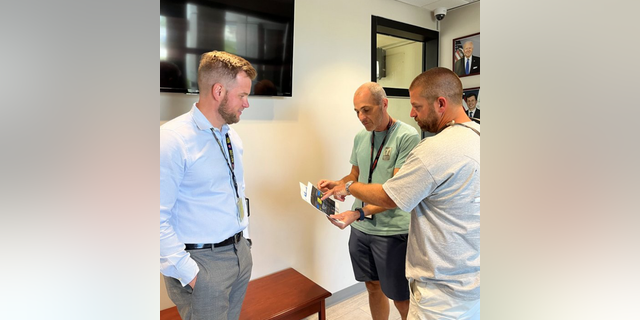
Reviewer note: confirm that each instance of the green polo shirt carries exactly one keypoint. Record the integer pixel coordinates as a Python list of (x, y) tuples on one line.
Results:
[(401, 139)]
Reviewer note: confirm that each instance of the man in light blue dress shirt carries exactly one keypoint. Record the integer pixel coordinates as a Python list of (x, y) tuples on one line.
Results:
[(204, 257)]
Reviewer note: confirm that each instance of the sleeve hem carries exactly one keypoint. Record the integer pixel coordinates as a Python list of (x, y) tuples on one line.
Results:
[(395, 199)]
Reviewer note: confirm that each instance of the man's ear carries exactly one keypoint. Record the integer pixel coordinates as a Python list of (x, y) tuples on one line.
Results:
[(217, 91), (442, 104)]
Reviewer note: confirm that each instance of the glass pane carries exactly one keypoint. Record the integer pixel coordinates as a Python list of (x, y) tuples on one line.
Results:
[(399, 109), (399, 61)]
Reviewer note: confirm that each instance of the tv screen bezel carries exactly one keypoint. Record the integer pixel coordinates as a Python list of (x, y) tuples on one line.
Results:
[(278, 10)]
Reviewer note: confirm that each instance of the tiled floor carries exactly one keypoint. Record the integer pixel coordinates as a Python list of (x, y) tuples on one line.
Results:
[(355, 308)]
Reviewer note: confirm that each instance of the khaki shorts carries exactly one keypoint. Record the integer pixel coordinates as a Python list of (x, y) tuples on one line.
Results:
[(427, 302)]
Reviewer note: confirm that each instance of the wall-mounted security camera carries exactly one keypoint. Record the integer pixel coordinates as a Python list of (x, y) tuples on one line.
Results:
[(439, 13)]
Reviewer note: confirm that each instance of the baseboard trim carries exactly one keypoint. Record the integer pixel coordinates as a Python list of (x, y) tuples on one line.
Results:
[(345, 294)]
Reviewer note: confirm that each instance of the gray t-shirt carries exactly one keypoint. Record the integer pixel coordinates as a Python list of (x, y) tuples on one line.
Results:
[(401, 139), (440, 184)]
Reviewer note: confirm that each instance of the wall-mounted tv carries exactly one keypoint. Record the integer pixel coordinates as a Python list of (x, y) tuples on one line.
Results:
[(260, 31)]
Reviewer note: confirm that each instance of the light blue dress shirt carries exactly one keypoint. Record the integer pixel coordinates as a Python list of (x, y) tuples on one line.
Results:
[(198, 203)]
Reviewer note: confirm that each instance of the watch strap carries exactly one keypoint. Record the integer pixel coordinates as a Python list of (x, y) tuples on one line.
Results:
[(361, 214), (347, 185)]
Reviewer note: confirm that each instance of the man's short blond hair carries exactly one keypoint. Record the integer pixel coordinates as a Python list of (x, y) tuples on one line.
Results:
[(438, 82), (222, 67)]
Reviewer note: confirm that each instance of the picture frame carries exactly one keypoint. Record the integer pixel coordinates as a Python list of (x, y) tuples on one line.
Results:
[(472, 92), (472, 43)]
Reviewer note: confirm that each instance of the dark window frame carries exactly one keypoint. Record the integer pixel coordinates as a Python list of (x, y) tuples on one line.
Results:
[(430, 43)]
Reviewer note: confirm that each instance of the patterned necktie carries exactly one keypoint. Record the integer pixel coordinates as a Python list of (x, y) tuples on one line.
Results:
[(467, 67)]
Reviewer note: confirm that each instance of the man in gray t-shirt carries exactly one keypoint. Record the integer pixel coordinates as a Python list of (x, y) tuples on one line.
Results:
[(440, 184)]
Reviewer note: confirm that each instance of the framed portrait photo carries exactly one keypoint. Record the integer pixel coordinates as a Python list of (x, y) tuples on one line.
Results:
[(466, 55), (471, 103)]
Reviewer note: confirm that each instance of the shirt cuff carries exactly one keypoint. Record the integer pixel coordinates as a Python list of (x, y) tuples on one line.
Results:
[(184, 270)]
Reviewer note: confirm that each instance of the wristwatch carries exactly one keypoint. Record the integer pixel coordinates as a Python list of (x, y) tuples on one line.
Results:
[(347, 185), (361, 213)]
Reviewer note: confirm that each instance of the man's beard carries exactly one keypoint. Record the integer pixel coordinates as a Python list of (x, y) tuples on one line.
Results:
[(430, 124), (229, 116)]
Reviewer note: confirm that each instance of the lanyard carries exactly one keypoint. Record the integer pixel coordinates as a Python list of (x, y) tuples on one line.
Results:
[(232, 165), (374, 163), (453, 123), (474, 130)]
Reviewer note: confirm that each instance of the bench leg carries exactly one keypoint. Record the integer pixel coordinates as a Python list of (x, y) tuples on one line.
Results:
[(322, 314)]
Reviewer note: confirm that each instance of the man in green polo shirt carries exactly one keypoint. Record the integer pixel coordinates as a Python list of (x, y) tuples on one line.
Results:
[(378, 241)]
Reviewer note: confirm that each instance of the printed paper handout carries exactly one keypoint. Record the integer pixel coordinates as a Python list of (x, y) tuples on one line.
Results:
[(311, 195)]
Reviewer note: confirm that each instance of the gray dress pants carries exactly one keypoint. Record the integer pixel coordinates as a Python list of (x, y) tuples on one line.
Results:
[(221, 285)]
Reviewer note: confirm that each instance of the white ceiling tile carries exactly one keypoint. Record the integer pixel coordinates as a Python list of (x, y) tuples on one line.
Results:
[(418, 3), (446, 3), (433, 4)]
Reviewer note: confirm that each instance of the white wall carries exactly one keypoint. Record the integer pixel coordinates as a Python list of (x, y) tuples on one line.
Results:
[(306, 137)]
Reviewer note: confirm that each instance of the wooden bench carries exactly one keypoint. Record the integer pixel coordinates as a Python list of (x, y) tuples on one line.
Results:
[(284, 295)]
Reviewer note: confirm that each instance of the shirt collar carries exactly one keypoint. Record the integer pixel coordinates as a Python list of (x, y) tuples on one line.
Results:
[(201, 121)]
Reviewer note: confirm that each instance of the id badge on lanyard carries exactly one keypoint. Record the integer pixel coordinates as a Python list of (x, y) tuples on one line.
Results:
[(374, 162), (231, 164)]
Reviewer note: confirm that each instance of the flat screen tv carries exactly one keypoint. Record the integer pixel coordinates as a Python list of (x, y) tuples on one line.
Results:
[(260, 31)]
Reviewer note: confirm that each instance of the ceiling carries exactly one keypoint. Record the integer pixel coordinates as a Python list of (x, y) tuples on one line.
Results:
[(387, 42), (433, 4)]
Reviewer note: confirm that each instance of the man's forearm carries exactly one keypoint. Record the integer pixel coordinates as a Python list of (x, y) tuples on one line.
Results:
[(371, 209), (349, 177), (372, 193)]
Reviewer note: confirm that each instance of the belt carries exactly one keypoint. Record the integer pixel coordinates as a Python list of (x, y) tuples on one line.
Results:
[(231, 240)]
